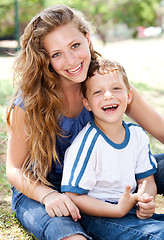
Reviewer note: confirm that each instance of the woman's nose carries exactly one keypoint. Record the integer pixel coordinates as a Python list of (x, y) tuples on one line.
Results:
[(70, 58), (107, 95)]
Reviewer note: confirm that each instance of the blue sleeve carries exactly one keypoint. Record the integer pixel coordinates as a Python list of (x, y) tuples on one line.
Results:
[(19, 101)]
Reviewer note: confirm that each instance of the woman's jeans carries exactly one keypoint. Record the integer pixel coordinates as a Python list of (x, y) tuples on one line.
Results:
[(159, 176), (33, 216), (125, 228)]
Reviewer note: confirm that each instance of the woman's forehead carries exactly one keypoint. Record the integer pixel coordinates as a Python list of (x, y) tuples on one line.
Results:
[(62, 36)]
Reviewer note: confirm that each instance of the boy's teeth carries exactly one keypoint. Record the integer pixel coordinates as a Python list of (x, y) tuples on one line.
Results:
[(75, 69), (107, 107)]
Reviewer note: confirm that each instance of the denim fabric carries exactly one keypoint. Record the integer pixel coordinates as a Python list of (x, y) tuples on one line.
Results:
[(128, 227), (33, 216), (159, 176)]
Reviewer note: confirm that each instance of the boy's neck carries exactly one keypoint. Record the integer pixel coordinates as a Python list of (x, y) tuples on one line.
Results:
[(114, 131)]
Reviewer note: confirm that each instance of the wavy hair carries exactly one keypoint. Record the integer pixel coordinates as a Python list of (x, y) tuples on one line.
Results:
[(39, 88)]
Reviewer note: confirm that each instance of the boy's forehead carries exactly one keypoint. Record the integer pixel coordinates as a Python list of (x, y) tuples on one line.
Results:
[(112, 76)]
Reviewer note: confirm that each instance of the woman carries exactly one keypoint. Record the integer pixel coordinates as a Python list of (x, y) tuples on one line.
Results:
[(46, 116)]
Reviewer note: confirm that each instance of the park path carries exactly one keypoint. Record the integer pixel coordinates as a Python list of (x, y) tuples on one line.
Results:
[(6, 67), (143, 59)]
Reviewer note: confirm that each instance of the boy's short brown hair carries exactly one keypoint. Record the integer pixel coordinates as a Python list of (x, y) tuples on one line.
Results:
[(104, 66)]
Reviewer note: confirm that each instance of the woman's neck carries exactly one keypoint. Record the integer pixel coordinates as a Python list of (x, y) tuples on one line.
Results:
[(73, 99)]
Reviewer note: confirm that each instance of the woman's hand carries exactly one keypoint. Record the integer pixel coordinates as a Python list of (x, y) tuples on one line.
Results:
[(57, 204)]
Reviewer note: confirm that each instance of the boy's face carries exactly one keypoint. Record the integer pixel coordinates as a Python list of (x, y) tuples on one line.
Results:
[(107, 97)]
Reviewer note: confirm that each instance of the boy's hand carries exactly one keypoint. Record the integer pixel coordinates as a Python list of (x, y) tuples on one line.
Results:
[(146, 206), (128, 200)]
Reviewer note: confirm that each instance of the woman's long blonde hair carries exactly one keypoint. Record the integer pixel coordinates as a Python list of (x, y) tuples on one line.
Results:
[(39, 88)]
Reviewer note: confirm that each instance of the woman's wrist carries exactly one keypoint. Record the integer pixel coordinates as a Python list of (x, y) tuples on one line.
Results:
[(47, 194)]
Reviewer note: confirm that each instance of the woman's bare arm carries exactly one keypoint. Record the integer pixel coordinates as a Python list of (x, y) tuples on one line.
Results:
[(145, 115), (16, 153), (56, 204)]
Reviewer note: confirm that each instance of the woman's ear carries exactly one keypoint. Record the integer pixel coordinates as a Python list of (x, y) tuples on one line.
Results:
[(86, 104), (88, 37), (130, 95)]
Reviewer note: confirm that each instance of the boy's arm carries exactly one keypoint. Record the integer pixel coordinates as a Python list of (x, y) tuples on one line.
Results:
[(146, 205), (95, 207), (151, 188)]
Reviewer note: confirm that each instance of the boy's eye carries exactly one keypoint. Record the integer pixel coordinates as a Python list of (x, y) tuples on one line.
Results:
[(116, 88), (56, 55), (76, 45), (97, 92)]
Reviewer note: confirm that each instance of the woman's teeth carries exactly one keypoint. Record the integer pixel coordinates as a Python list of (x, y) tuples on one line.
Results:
[(75, 70)]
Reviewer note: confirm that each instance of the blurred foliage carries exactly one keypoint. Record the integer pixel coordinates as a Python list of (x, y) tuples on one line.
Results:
[(138, 12), (27, 9), (104, 14), (107, 13)]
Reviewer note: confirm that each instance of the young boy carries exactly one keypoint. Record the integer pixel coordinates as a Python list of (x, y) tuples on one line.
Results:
[(109, 155)]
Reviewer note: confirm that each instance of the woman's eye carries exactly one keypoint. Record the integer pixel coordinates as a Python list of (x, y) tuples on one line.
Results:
[(76, 45), (56, 55)]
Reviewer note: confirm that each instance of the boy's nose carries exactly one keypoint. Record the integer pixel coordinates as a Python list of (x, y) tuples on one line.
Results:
[(107, 95)]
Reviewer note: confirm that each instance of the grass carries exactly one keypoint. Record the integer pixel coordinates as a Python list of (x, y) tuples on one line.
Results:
[(10, 228)]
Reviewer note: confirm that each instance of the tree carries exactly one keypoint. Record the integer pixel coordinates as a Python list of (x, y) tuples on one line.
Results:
[(107, 13), (6, 17), (137, 12), (104, 14), (100, 13), (27, 9)]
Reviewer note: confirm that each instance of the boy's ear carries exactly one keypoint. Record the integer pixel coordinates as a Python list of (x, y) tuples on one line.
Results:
[(130, 95), (86, 104)]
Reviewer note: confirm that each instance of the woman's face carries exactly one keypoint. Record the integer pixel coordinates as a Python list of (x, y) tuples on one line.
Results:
[(69, 52)]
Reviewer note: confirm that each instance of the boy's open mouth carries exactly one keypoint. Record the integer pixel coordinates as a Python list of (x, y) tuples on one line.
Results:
[(109, 108)]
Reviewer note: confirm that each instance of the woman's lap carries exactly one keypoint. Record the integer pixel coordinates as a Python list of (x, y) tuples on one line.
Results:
[(128, 227), (33, 216)]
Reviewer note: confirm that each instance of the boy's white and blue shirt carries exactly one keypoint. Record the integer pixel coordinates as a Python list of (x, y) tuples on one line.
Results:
[(96, 166)]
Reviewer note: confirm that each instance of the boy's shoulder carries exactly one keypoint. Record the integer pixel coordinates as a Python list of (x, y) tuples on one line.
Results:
[(134, 126), (84, 133), (136, 130)]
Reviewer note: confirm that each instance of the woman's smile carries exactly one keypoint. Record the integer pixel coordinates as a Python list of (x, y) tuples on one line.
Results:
[(77, 69)]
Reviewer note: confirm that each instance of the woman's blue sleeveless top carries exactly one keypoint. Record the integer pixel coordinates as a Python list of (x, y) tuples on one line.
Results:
[(71, 127)]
